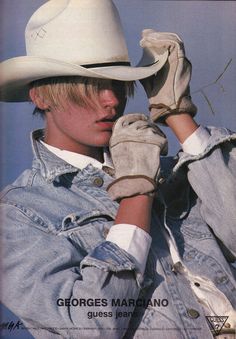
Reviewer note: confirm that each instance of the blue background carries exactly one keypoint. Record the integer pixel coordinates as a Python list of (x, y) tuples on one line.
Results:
[(208, 30)]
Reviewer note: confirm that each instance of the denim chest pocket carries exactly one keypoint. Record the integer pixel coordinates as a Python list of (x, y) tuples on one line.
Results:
[(192, 228), (86, 229), (196, 228)]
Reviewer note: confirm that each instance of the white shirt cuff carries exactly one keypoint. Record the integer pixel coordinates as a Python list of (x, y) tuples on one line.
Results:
[(133, 240), (196, 142)]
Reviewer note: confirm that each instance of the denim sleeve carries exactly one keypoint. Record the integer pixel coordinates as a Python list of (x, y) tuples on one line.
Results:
[(41, 268), (212, 175)]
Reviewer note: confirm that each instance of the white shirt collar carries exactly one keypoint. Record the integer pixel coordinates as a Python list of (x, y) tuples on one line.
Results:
[(79, 160)]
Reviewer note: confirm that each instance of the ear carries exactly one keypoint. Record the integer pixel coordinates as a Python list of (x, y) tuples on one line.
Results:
[(37, 100)]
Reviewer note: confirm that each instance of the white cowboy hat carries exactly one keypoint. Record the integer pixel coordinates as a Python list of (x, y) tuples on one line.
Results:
[(73, 38)]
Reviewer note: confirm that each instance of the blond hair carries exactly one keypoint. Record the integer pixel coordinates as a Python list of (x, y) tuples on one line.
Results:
[(82, 91)]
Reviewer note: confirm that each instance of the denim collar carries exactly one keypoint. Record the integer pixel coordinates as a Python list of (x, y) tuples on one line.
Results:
[(52, 166), (48, 163)]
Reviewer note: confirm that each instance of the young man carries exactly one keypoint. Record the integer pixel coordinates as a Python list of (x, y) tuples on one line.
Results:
[(136, 247)]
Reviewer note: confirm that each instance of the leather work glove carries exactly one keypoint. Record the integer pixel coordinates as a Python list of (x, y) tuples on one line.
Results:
[(135, 145), (168, 90)]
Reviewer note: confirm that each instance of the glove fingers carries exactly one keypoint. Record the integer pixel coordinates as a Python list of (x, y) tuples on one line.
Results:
[(135, 123), (156, 129), (159, 42), (128, 119), (128, 130), (151, 34)]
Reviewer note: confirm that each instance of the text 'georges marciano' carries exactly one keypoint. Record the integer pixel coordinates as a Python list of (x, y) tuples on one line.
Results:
[(121, 306)]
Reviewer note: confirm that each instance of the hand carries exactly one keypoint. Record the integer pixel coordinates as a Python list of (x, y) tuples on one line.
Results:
[(135, 145), (168, 90)]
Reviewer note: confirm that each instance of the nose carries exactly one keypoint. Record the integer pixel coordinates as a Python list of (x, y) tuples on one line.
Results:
[(108, 99)]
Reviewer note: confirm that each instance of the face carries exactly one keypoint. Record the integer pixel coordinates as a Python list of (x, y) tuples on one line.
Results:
[(84, 129)]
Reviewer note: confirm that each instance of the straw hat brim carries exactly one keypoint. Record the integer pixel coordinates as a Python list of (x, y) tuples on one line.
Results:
[(17, 73)]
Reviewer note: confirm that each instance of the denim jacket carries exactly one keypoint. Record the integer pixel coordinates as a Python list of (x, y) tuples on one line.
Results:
[(62, 277)]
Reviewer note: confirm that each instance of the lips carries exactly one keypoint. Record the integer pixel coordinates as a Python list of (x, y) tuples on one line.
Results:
[(105, 124)]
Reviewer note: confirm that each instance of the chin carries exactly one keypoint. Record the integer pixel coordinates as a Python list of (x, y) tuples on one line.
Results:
[(104, 140), (103, 144)]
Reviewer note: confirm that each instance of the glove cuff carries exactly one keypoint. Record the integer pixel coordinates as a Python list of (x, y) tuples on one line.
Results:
[(131, 185), (159, 112)]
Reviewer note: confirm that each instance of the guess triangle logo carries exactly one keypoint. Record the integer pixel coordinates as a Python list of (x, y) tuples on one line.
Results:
[(216, 323)]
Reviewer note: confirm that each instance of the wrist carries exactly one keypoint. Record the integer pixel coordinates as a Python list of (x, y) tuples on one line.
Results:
[(136, 211), (183, 125)]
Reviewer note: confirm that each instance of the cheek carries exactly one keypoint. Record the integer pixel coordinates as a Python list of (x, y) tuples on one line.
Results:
[(73, 120), (80, 128)]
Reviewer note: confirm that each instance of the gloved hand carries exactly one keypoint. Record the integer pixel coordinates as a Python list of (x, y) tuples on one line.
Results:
[(168, 90), (135, 145)]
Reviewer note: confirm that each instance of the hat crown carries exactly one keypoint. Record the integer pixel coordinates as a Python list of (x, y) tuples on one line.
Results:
[(77, 31), (74, 38)]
